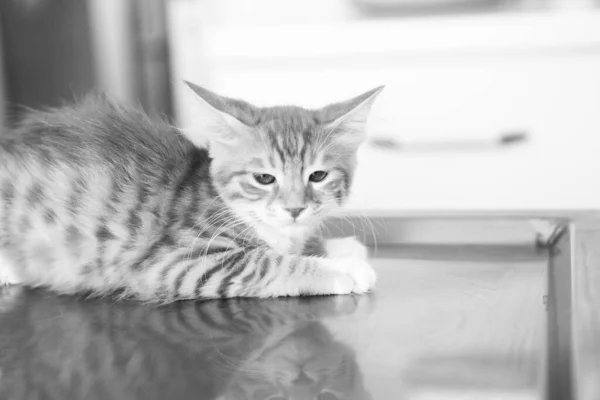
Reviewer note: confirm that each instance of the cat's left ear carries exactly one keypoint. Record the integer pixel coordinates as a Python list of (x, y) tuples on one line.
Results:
[(221, 119), (347, 121)]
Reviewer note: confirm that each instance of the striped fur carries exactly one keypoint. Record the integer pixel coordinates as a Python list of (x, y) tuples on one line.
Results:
[(58, 348), (97, 197)]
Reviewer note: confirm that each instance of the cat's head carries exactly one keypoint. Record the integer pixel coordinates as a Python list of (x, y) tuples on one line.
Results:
[(283, 167)]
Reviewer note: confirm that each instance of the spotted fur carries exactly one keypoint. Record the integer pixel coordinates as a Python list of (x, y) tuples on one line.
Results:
[(99, 197)]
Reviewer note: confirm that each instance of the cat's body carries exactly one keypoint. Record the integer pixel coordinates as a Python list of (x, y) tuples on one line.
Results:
[(97, 197)]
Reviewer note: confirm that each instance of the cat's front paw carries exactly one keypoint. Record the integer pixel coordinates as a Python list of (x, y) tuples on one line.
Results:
[(7, 276), (353, 275), (346, 247)]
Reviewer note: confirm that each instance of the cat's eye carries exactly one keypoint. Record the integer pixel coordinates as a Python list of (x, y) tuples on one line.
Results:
[(317, 176), (264, 179)]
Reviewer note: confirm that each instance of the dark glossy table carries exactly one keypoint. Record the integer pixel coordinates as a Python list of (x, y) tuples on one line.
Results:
[(446, 322)]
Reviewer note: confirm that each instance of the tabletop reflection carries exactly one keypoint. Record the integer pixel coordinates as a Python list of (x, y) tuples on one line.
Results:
[(60, 347)]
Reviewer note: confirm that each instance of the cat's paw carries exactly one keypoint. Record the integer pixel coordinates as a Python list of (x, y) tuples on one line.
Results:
[(359, 305), (7, 276), (346, 247), (352, 275)]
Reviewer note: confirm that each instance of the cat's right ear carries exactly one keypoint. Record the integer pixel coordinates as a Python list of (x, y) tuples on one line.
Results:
[(346, 121), (218, 122)]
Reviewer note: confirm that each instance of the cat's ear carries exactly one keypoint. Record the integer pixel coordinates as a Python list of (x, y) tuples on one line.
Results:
[(346, 121), (219, 118)]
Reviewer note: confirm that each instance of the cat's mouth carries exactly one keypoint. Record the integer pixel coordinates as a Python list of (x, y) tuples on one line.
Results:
[(293, 226), (300, 224)]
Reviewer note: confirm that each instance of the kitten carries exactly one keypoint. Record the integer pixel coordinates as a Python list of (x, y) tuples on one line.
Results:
[(98, 198)]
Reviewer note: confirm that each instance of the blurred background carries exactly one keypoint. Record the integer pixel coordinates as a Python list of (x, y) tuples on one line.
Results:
[(490, 105)]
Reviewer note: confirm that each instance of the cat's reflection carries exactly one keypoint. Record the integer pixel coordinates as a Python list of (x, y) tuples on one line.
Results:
[(54, 347), (304, 364)]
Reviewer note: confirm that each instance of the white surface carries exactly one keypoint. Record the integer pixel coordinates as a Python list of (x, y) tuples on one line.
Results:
[(478, 35), (2, 87), (447, 78), (457, 324)]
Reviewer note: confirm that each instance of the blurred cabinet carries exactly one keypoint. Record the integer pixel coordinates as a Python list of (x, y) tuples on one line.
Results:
[(57, 51), (46, 52), (448, 79)]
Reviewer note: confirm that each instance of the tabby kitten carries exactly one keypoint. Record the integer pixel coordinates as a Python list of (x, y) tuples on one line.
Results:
[(99, 198)]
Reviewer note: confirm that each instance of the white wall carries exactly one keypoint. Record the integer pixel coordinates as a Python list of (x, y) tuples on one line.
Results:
[(447, 78), (2, 87)]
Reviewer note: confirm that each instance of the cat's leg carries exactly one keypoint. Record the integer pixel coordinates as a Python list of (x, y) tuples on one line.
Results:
[(259, 272), (335, 248), (314, 246), (296, 275), (345, 247)]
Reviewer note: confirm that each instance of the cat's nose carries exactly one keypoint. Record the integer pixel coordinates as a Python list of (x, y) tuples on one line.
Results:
[(302, 380), (294, 212)]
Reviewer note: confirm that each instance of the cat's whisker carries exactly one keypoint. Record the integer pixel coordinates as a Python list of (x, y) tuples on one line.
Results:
[(212, 220), (364, 220), (370, 223), (223, 211), (197, 237), (220, 230), (208, 207), (249, 228)]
